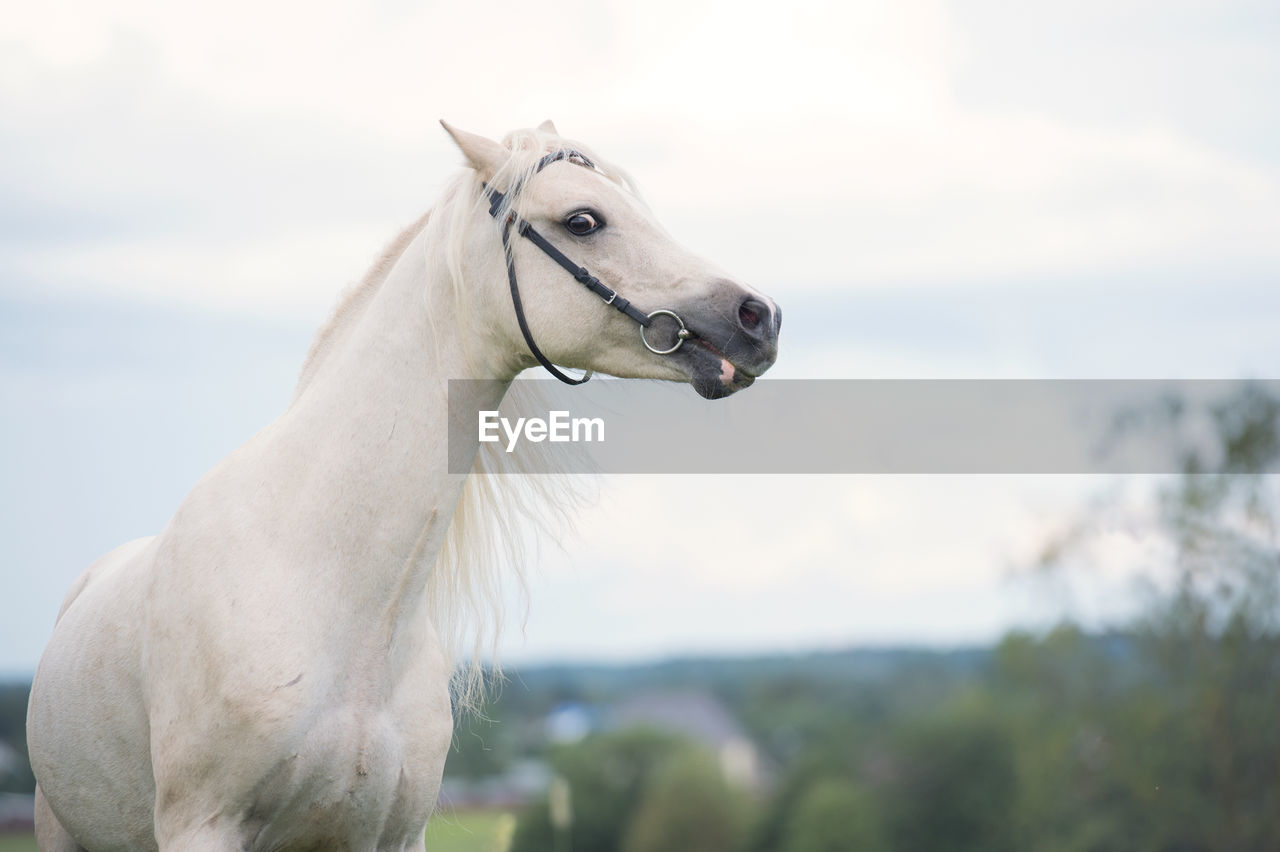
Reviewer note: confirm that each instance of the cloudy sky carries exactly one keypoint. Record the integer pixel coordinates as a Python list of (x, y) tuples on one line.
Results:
[(931, 189)]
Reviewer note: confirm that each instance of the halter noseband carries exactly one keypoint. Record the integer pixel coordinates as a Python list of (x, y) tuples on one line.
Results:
[(579, 273)]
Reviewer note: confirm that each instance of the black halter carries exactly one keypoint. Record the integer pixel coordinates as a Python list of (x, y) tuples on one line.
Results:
[(580, 274)]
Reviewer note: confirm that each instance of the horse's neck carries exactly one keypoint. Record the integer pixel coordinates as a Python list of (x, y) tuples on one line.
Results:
[(371, 434)]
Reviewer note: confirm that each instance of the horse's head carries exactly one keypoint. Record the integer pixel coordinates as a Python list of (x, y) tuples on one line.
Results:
[(567, 216)]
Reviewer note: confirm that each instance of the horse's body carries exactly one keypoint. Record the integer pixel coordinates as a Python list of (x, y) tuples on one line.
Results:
[(266, 672)]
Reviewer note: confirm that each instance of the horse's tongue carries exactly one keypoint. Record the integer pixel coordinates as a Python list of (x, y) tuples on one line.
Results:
[(726, 372)]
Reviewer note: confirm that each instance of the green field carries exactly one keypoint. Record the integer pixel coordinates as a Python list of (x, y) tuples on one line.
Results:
[(465, 831), (17, 843), (469, 831)]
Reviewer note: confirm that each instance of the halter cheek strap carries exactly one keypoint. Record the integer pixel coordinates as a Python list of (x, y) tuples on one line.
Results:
[(519, 306), (579, 273)]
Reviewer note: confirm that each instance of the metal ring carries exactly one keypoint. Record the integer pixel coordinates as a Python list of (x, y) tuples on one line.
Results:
[(680, 335)]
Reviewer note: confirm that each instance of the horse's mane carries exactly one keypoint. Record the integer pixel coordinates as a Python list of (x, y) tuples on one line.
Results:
[(490, 532), (352, 304)]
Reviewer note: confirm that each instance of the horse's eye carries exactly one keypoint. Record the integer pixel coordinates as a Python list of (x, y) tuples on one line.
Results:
[(582, 223)]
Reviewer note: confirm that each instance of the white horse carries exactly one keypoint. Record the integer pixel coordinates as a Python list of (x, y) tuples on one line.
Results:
[(268, 672)]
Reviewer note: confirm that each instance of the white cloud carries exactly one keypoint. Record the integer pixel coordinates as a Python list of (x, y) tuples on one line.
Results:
[(810, 146)]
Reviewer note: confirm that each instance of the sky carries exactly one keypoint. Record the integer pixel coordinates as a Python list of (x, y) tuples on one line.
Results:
[(971, 189)]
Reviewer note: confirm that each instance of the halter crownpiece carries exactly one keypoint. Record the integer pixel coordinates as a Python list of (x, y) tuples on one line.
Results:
[(579, 273)]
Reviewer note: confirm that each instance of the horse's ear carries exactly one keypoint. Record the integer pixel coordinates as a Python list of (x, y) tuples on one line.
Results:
[(548, 127), (485, 155)]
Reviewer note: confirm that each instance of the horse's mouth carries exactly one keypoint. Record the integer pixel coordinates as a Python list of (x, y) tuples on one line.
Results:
[(712, 375)]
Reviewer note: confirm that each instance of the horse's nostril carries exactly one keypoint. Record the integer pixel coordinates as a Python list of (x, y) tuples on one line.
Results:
[(749, 314)]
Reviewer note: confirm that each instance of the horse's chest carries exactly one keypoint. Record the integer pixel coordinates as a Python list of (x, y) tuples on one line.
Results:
[(369, 777)]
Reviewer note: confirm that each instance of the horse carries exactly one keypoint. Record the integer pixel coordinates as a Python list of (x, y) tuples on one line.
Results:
[(274, 669)]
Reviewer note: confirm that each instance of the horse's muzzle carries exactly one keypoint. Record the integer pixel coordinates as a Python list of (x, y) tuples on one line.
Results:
[(734, 340)]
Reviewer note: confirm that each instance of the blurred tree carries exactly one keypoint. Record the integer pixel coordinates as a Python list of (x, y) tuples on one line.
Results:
[(952, 783), (688, 805), (828, 756), (607, 775), (834, 815), (15, 772), (1174, 743)]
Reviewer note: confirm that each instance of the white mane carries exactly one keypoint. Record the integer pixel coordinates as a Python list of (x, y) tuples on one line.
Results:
[(352, 303)]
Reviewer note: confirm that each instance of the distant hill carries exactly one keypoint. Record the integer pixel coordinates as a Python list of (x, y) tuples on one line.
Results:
[(861, 664)]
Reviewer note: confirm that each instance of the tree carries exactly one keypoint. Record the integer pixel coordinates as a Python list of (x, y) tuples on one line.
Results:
[(607, 775), (834, 815), (688, 805), (1187, 747), (952, 785), (15, 772)]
